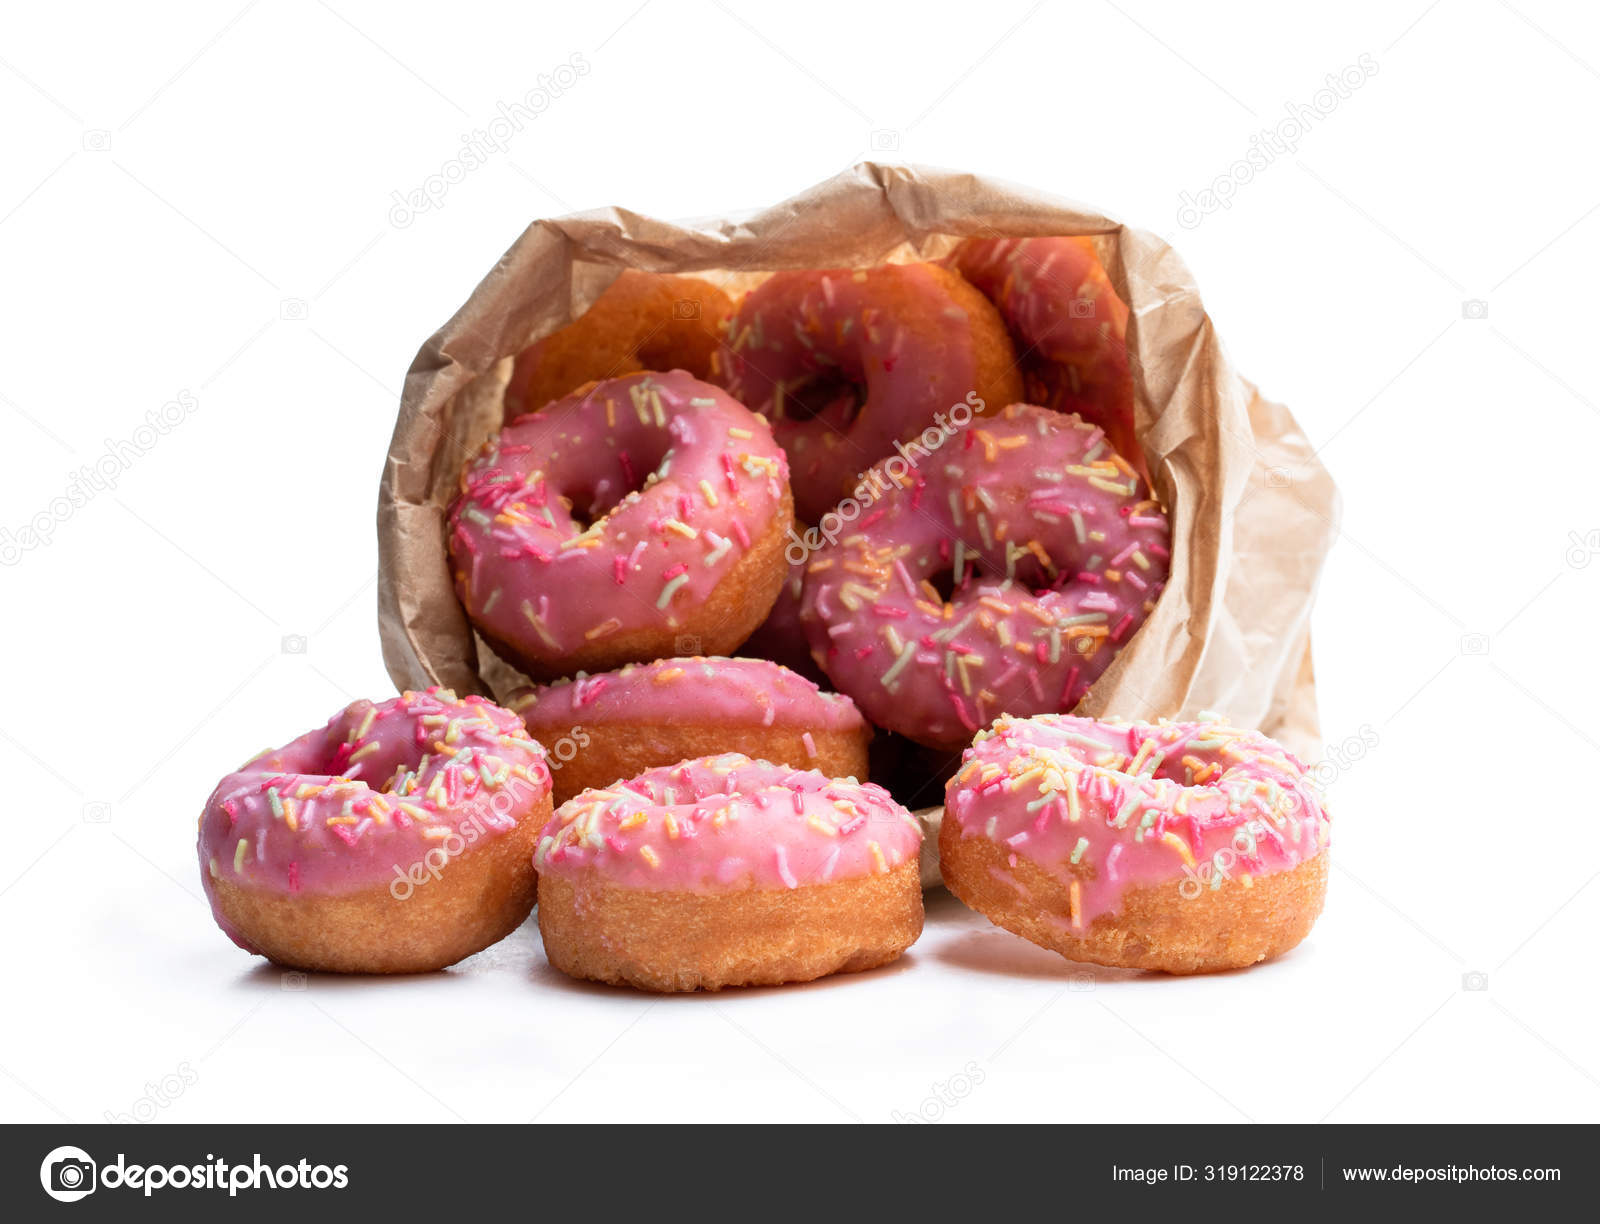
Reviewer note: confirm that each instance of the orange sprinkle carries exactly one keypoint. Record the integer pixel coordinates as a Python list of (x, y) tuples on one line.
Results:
[(1181, 846)]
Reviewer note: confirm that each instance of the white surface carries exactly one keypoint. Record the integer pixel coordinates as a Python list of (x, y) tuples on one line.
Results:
[(250, 161)]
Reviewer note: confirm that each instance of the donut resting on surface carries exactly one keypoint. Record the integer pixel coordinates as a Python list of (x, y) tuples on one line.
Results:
[(396, 839), (1179, 847), (728, 872)]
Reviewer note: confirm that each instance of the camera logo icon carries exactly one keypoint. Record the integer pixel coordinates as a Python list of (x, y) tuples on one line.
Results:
[(1475, 308), (293, 643), (685, 308), (1474, 980), (686, 646), (97, 813), (1080, 308), (1279, 478), (885, 140), (1585, 547), (68, 1174), (294, 310), (1474, 643), (97, 140)]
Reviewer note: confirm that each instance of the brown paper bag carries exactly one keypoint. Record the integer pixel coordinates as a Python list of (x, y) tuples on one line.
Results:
[(1253, 511)]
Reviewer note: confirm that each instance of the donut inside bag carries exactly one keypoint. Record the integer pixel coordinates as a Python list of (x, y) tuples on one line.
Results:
[(642, 321)]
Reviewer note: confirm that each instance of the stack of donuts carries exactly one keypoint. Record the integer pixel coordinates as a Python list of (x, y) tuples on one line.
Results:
[(774, 571)]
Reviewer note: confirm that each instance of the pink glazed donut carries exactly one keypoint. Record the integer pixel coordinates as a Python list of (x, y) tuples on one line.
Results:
[(620, 521), (602, 728), (1053, 553), (1069, 325), (845, 363), (725, 871), (1181, 847), (396, 839)]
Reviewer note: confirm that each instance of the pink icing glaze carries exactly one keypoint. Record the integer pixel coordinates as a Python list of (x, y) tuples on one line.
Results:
[(1055, 553), (698, 690), (1105, 806), (725, 824), (344, 808), (1068, 323), (806, 347), (1052, 292), (678, 478)]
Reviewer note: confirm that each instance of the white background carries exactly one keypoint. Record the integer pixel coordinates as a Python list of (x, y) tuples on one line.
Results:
[(196, 198)]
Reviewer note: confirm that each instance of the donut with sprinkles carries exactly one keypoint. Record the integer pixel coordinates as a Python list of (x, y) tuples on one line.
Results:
[(643, 321), (1184, 847), (1069, 326), (628, 517), (847, 362), (613, 725), (1000, 575), (723, 871), (398, 838)]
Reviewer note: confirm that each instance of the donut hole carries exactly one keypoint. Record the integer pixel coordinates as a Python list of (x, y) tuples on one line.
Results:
[(828, 395), (587, 502), (1027, 573), (1171, 768), (1030, 573), (585, 507), (945, 585)]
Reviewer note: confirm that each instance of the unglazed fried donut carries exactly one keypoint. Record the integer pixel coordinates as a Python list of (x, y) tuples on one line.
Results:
[(725, 871), (1051, 553), (643, 321), (1069, 325), (1180, 847), (619, 521), (847, 362), (397, 839), (604, 728)]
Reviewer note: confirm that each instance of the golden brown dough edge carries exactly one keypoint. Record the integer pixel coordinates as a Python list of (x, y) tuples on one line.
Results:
[(477, 898), (635, 324), (620, 750), (678, 941), (1155, 927)]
